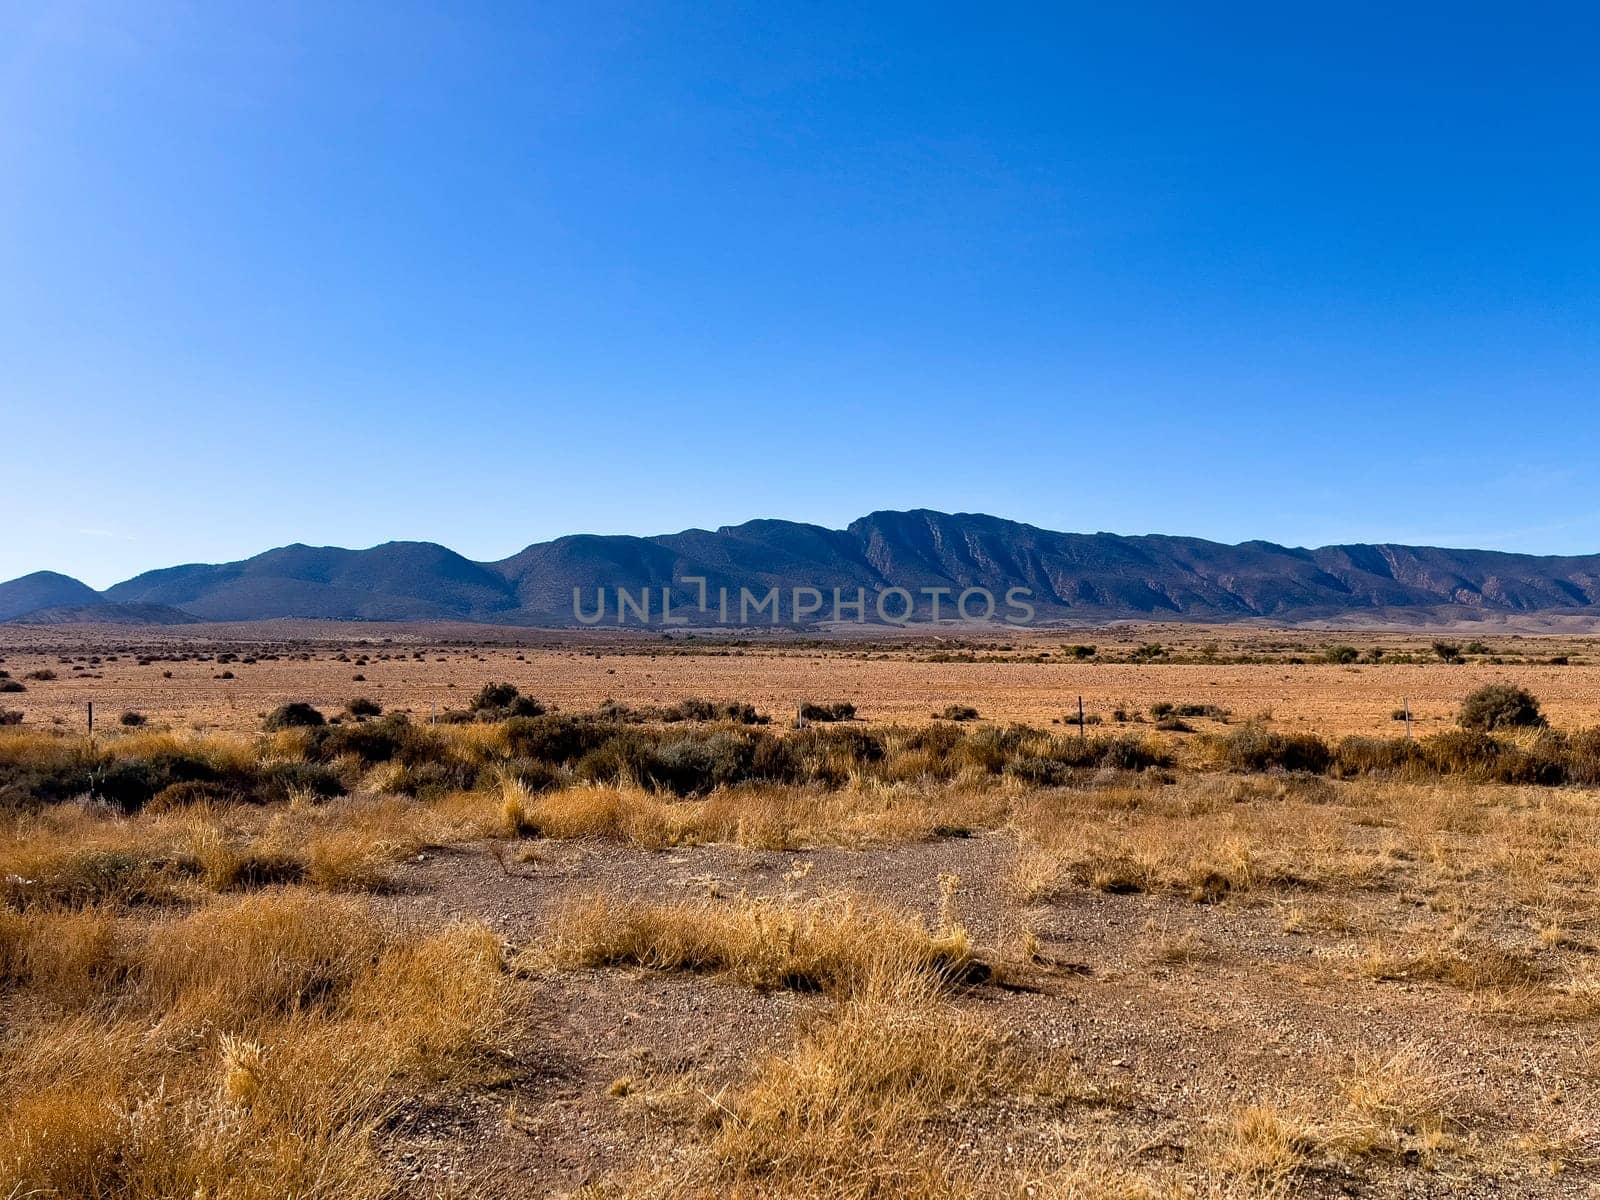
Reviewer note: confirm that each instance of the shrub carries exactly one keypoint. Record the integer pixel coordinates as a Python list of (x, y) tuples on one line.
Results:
[(1475, 753), (837, 710), (1583, 757), (500, 701), (1127, 753), (1500, 706), (280, 781), (957, 712), (1256, 749), (132, 719), (1163, 709), (1448, 651), (362, 706), (10, 716), (1363, 755), (694, 765), (11, 685), (1341, 654), (830, 755), (295, 715), (556, 738), (44, 675), (694, 709), (370, 741)]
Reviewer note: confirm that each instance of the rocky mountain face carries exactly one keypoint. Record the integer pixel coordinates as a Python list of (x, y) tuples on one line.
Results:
[(933, 556)]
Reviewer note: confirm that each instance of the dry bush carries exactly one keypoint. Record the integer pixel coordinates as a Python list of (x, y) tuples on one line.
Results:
[(835, 944)]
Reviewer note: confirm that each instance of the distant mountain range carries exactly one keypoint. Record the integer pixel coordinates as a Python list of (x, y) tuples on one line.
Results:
[(1098, 576)]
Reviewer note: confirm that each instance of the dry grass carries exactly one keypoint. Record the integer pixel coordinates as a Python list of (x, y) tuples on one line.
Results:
[(835, 945), (773, 817), (247, 1050), (198, 1001), (71, 855)]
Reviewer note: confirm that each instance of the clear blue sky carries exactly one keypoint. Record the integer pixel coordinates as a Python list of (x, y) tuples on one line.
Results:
[(485, 274)]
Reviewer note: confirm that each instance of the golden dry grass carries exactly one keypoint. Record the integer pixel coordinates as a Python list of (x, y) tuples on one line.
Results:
[(245, 1050), (836, 944), (199, 1000)]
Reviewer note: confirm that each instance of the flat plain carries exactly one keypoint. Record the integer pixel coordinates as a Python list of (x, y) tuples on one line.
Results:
[(1007, 674), (1236, 936)]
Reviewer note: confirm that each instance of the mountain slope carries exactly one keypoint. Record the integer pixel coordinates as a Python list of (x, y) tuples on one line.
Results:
[(1098, 576), (104, 612), (395, 581), (43, 589)]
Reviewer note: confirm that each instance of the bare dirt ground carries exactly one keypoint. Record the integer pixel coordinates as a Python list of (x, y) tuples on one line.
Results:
[(227, 677), (1180, 1016)]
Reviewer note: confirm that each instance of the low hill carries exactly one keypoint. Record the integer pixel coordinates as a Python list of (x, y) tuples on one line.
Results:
[(43, 589), (106, 613)]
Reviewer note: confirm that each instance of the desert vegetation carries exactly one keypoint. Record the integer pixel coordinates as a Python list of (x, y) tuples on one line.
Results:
[(696, 947)]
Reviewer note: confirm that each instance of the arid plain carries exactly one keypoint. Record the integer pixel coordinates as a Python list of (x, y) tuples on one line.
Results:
[(1235, 936), (896, 676)]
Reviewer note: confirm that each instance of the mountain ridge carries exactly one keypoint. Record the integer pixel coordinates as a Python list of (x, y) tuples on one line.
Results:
[(1093, 576)]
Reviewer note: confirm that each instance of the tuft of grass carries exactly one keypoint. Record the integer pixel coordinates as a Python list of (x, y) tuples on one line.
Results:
[(833, 945)]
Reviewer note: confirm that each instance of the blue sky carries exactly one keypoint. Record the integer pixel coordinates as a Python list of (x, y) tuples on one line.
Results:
[(485, 274)]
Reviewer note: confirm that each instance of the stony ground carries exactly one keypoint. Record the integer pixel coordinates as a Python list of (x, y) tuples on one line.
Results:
[(1178, 1013)]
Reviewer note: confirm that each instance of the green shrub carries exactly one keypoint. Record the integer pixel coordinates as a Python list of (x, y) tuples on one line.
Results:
[(556, 738), (281, 780), (498, 701), (372, 741), (295, 715), (1500, 706), (691, 765), (694, 709), (838, 710), (363, 706)]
